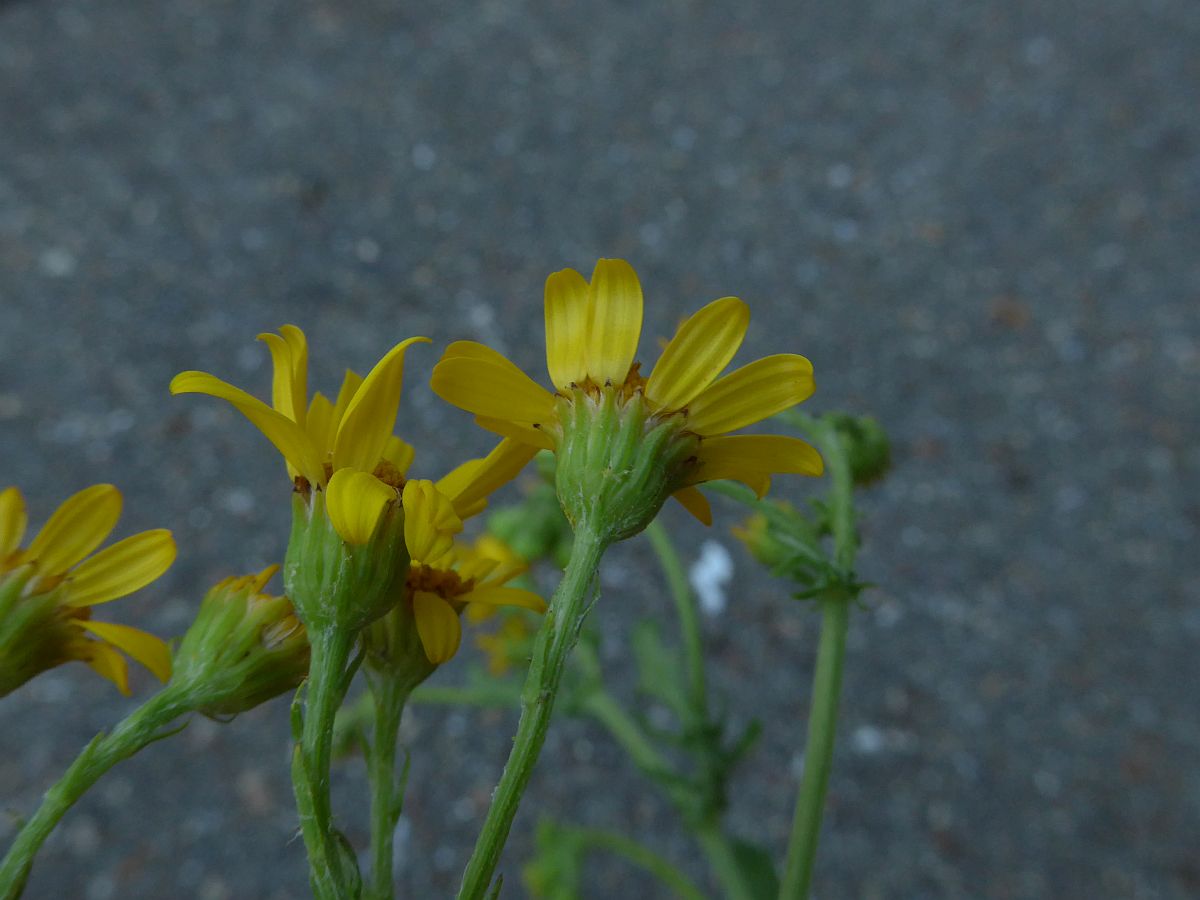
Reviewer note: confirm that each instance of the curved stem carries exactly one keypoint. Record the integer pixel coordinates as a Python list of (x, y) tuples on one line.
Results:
[(689, 617), (558, 633), (625, 730), (324, 689), (143, 726), (724, 863), (388, 695), (827, 680)]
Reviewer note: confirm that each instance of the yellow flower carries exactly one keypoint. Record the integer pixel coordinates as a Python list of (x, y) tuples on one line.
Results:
[(445, 578), (48, 589), (592, 334), (345, 448)]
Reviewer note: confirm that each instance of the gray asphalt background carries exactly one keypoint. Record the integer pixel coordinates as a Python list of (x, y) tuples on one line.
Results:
[(979, 220)]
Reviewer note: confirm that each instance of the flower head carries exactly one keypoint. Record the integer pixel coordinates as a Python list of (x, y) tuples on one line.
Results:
[(344, 448), (447, 577), (346, 557), (244, 647), (663, 434), (49, 588)]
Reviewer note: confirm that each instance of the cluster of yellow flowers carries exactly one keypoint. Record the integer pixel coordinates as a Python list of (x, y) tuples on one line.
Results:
[(622, 440)]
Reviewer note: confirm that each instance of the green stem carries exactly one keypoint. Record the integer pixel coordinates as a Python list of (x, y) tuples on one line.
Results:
[(723, 862), (689, 615), (389, 695), (717, 849), (640, 856), (329, 876), (558, 633), (818, 752), (143, 726), (827, 680), (602, 707)]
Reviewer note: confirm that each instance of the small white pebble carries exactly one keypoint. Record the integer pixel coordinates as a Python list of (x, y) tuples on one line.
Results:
[(709, 576)]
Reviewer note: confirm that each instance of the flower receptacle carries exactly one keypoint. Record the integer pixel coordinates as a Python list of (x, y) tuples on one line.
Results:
[(618, 464), (336, 584)]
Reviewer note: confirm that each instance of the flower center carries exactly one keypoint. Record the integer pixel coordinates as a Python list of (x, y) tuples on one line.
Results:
[(447, 584)]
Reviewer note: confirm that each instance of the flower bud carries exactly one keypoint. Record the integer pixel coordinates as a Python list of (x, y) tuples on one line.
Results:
[(866, 445), (243, 648), (764, 541)]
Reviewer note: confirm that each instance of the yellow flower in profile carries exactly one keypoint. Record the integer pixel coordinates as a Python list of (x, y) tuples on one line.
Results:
[(344, 448), (445, 578), (48, 589), (349, 470), (592, 334)]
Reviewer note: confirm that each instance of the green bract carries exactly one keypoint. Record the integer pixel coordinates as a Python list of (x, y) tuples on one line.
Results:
[(243, 648), (336, 584), (617, 465)]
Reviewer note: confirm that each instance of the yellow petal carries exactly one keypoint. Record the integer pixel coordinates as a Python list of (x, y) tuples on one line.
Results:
[(289, 357), (750, 457), (152, 652), (525, 434), (696, 503), (399, 453), (476, 350), (121, 569), (490, 389), (506, 596), (371, 416), (259, 581), (759, 483), (477, 479), (298, 344), (700, 350), (615, 320), (77, 528), (288, 437), (752, 393), (354, 501), (478, 612), (437, 626), (566, 328), (321, 425), (430, 522), (351, 382), (108, 663), (13, 519)]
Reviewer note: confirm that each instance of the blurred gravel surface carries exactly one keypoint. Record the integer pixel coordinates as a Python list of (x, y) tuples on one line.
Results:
[(979, 221)]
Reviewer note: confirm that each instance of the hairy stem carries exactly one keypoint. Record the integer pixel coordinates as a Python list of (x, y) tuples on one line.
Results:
[(328, 863), (388, 695), (558, 633), (143, 726), (827, 679)]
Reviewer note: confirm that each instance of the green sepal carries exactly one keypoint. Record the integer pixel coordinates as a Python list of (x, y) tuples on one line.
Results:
[(618, 464)]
